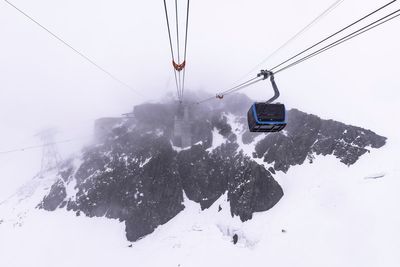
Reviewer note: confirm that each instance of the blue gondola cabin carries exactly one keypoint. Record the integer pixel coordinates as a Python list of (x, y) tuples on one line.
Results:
[(263, 117)]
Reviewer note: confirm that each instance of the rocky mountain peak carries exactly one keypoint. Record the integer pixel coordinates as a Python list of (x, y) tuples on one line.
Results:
[(140, 167)]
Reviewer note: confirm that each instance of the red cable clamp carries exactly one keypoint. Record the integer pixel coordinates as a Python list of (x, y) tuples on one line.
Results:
[(179, 67)]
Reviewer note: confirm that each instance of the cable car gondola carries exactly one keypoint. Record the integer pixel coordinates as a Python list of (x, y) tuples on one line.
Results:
[(267, 116)]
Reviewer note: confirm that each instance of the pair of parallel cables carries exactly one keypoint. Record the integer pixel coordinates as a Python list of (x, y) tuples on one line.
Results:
[(178, 65), (295, 60)]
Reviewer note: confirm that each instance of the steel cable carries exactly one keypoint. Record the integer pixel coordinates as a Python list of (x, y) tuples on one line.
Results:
[(186, 39), (350, 36), (325, 48), (297, 35), (332, 35), (75, 50), (172, 49)]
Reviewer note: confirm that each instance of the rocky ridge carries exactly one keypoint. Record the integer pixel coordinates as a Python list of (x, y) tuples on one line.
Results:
[(136, 172)]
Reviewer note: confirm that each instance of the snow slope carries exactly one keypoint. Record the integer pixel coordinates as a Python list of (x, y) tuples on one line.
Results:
[(332, 215)]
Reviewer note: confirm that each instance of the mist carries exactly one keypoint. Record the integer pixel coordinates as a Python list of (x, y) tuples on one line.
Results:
[(43, 83)]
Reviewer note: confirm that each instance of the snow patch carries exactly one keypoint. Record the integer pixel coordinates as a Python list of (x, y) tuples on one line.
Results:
[(179, 149), (16, 208), (145, 162), (248, 149), (217, 140), (71, 189)]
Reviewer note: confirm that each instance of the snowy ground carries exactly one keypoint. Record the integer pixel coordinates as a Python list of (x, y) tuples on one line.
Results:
[(332, 215)]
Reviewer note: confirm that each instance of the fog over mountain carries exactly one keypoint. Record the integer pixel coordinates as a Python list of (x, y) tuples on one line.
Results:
[(139, 169), (133, 177), (193, 180)]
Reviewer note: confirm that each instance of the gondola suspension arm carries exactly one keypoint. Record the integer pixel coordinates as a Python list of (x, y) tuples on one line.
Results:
[(269, 74)]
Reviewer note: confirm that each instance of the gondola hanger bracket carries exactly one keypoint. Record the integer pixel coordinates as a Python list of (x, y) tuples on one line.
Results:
[(265, 74)]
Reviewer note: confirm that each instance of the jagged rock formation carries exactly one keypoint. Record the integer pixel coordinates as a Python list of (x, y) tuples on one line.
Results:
[(307, 135), (135, 173)]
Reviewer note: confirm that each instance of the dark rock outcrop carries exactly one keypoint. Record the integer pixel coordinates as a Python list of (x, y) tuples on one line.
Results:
[(307, 134), (55, 197), (252, 189), (133, 178)]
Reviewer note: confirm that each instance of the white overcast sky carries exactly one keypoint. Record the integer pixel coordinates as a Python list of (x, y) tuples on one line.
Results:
[(44, 83)]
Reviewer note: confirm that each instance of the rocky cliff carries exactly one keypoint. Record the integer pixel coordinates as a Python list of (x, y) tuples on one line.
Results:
[(138, 173)]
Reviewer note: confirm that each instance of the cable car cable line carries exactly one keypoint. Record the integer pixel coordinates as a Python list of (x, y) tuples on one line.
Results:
[(172, 50), (348, 37), (334, 34), (186, 40), (237, 88), (22, 149), (178, 65), (297, 35), (271, 117), (178, 46), (245, 85), (112, 76), (221, 95)]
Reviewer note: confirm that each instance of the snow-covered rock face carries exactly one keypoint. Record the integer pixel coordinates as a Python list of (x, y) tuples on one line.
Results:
[(136, 174)]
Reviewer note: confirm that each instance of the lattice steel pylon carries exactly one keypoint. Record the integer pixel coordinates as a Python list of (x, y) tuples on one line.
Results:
[(50, 155)]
